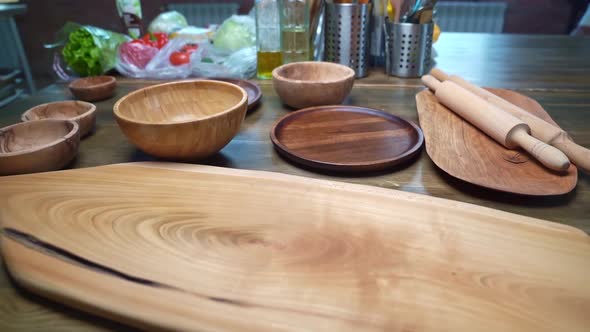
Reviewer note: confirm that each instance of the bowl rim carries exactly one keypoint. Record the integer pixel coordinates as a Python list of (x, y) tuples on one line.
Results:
[(276, 75), (110, 80), (75, 129), (242, 102), (91, 109)]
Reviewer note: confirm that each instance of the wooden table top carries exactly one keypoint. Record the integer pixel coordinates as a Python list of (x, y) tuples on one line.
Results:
[(551, 69)]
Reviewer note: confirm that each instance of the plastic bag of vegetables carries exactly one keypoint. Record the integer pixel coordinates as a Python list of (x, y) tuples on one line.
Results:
[(233, 52), (140, 59), (211, 62), (87, 50)]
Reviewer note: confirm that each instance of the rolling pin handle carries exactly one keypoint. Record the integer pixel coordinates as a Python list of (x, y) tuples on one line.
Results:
[(431, 82), (546, 154), (439, 74), (579, 155)]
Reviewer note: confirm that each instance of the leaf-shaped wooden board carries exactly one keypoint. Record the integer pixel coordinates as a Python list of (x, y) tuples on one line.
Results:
[(463, 151), (189, 247)]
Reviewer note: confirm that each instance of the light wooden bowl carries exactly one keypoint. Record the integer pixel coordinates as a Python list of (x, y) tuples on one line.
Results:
[(305, 84), (186, 120), (38, 146), (82, 112), (93, 88)]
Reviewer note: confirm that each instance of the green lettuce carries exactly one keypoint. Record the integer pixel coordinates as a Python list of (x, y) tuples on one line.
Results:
[(91, 51)]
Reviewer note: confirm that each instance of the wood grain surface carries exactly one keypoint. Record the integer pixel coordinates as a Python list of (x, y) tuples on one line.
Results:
[(38, 146), (465, 152), (190, 247), (540, 129), (346, 138), (252, 89), (80, 111), (93, 88), (498, 124), (549, 69), (184, 120), (309, 83)]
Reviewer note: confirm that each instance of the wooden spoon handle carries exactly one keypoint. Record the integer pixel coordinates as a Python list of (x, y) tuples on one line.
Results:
[(546, 154)]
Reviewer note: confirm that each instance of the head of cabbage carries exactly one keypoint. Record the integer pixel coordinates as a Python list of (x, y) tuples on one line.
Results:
[(168, 22), (235, 33)]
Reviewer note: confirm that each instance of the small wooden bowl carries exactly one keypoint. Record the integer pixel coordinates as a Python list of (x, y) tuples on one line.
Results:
[(305, 84), (82, 112), (186, 120), (38, 146), (93, 88)]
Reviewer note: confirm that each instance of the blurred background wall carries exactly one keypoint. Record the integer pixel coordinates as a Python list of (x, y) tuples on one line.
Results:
[(43, 18)]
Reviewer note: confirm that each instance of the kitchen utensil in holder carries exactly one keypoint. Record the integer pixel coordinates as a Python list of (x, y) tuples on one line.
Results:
[(408, 49), (377, 41), (347, 35)]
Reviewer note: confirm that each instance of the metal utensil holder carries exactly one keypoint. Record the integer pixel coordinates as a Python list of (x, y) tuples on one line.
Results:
[(408, 49), (347, 35)]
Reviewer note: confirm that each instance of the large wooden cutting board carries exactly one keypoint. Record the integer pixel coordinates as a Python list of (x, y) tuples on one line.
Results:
[(465, 152), (188, 247)]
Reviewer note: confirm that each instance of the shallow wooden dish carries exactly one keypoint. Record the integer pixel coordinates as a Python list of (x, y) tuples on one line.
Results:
[(177, 247), (464, 152), (252, 89), (346, 138), (305, 84), (186, 120), (82, 112), (38, 146), (94, 88)]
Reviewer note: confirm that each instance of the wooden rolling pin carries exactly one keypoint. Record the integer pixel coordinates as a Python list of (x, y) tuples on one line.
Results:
[(540, 129), (503, 127)]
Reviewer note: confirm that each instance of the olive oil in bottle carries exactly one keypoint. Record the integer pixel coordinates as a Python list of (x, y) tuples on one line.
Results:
[(267, 61), (295, 44), (268, 37), (294, 30)]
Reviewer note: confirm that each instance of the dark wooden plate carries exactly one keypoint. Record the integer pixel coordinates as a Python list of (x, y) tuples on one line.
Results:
[(252, 89), (346, 138), (464, 152)]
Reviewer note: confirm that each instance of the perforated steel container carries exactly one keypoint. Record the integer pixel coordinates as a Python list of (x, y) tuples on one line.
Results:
[(347, 38), (408, 49)]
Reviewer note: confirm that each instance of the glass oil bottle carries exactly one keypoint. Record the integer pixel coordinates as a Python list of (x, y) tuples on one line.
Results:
[(295, 41), (268, 38)]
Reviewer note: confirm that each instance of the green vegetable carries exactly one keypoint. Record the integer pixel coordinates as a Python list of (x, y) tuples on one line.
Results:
[(235, 33), (92, 51), (82, 55)]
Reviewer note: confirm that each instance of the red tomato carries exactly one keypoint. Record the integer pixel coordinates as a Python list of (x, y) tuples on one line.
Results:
[(179, 58), (161, 39), (147, 37), (189, 48), (150, 40), (161, 43)]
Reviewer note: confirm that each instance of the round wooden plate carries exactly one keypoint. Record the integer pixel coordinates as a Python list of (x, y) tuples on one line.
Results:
[(346, 138), (252, 89)]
